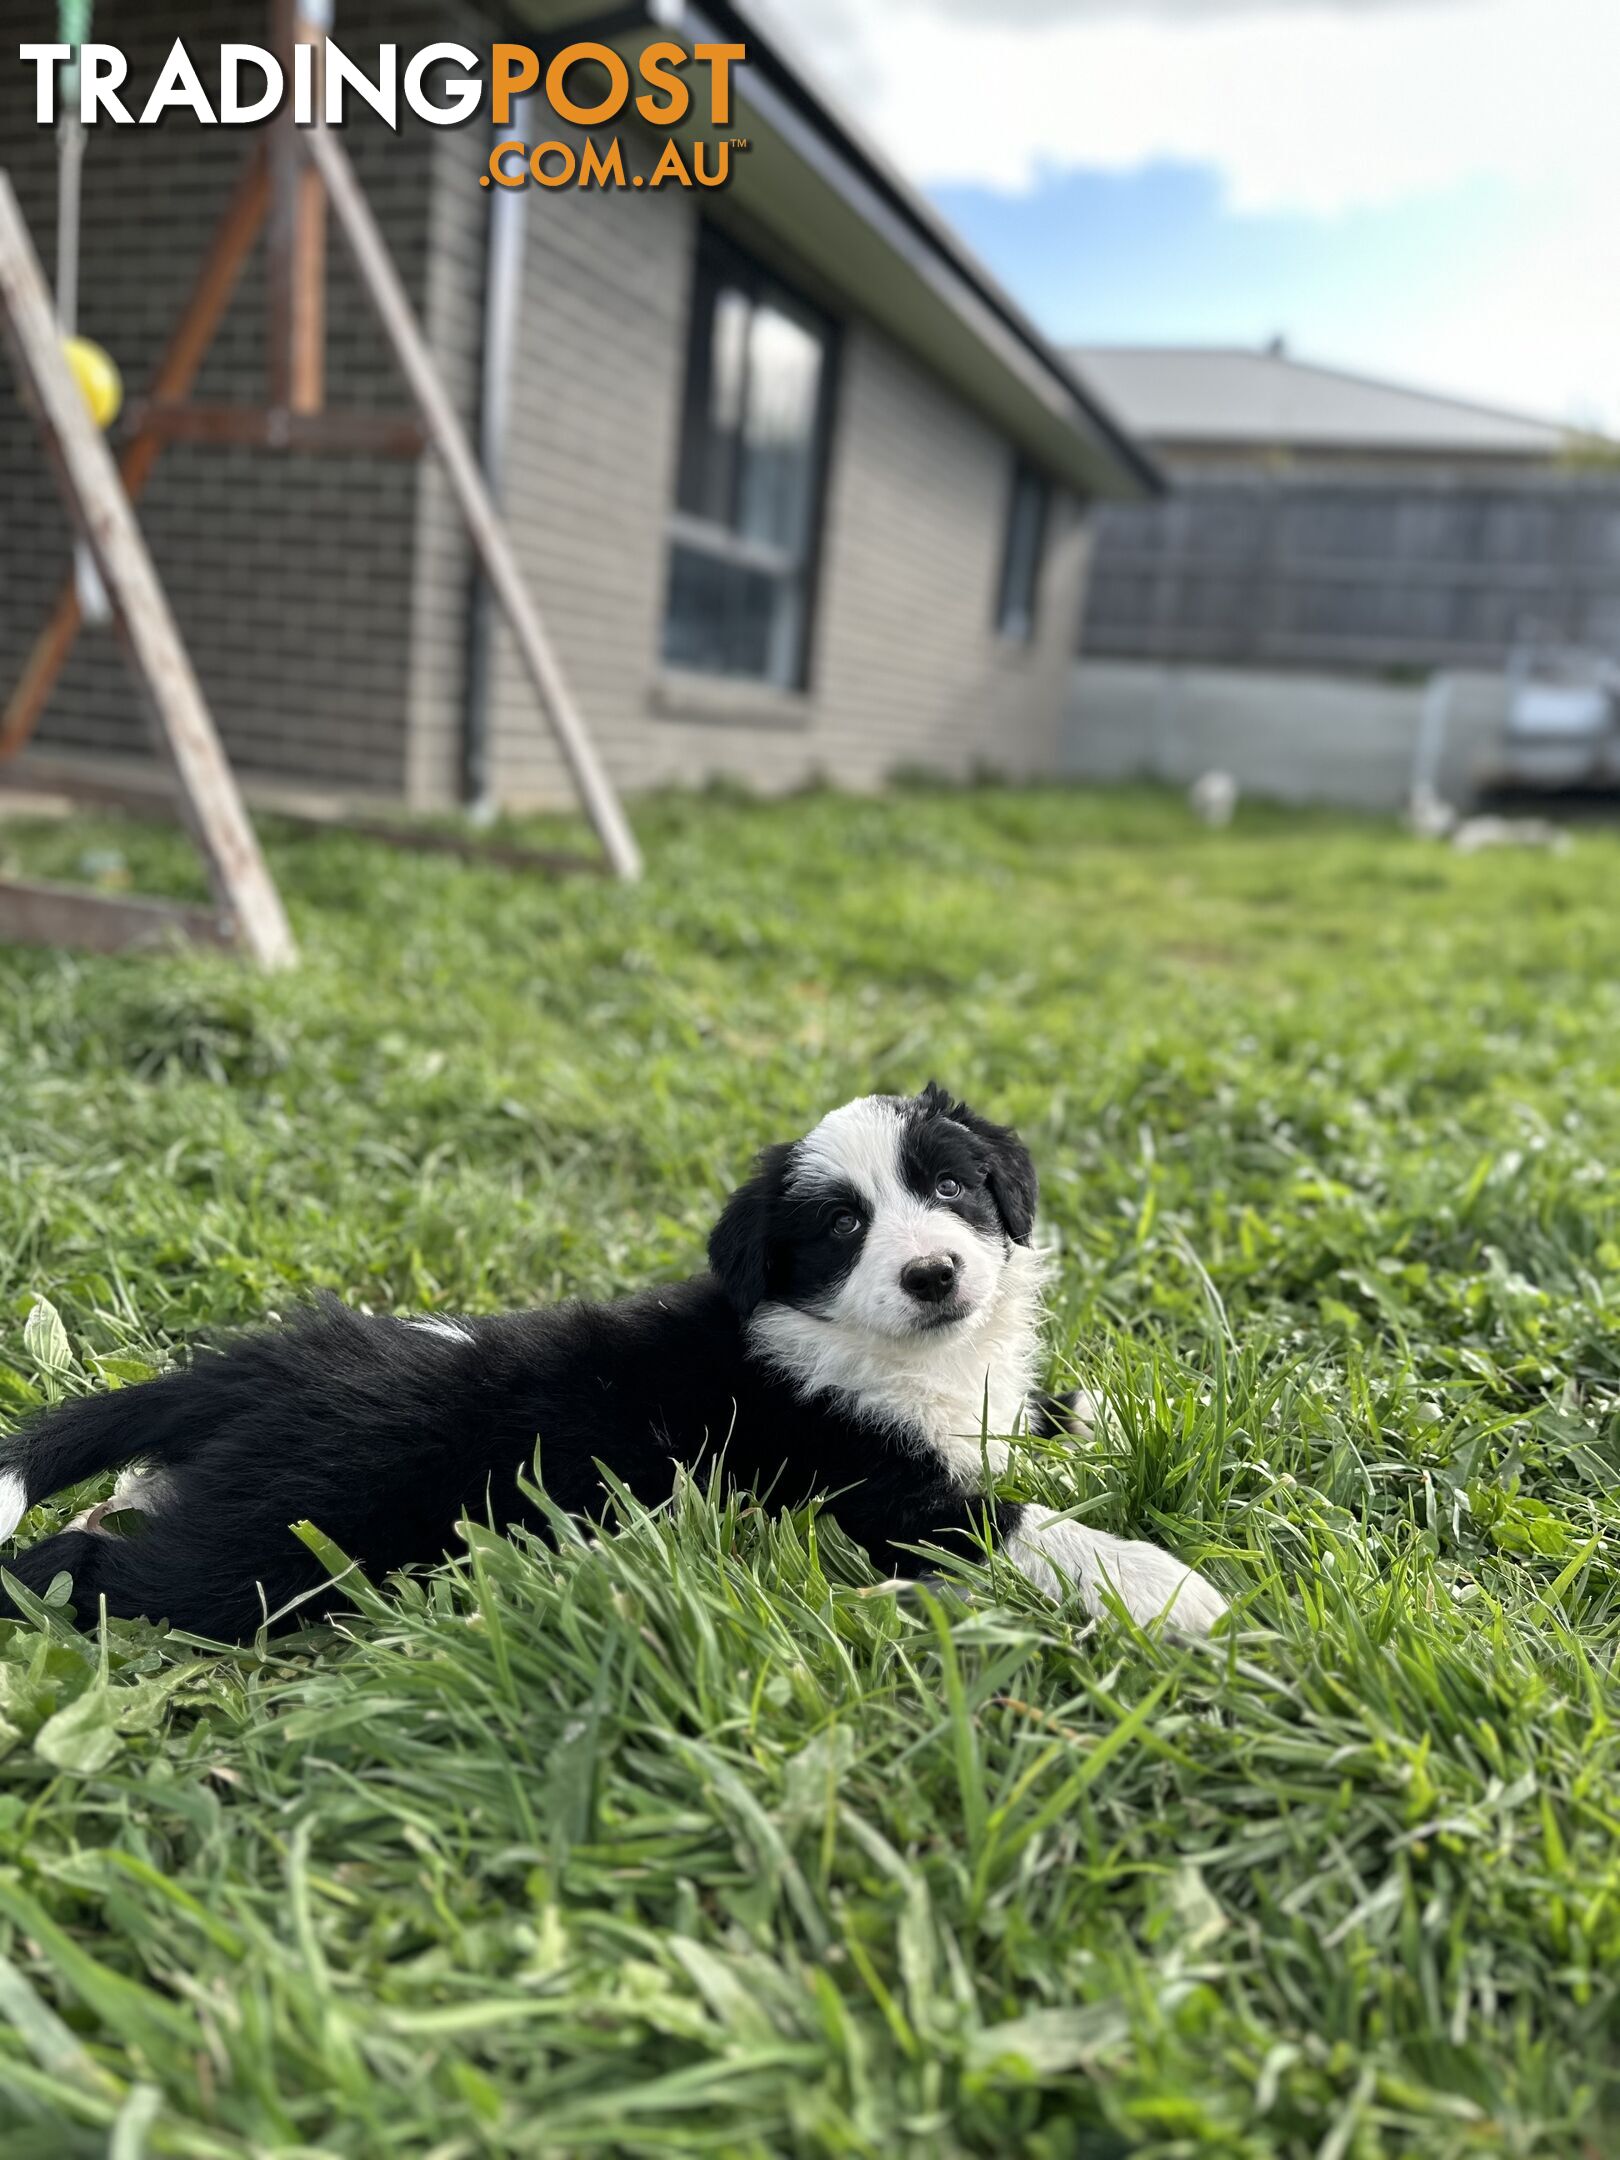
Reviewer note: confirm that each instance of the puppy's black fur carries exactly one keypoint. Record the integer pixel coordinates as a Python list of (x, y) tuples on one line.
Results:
[(384, 1432)]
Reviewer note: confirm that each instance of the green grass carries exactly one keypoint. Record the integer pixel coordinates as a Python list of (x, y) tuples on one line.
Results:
[(693, 1839)]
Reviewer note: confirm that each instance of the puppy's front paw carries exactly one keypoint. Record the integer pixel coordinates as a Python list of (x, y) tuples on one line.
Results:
[(1152, 1584)]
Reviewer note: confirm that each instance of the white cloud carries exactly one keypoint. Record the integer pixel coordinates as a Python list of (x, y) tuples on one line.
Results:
[(1313, 107), (1299, 106)]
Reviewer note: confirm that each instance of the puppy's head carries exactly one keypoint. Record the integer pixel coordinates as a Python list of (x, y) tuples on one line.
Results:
[(896, 1216)]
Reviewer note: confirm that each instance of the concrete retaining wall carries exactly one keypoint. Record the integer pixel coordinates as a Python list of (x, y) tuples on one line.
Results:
[(1289, 737)]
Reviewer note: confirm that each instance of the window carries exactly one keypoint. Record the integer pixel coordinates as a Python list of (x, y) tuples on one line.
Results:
[(747, 492), (1021, 560)]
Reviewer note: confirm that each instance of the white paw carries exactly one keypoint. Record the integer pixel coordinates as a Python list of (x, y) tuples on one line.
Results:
[(1057, 1556)]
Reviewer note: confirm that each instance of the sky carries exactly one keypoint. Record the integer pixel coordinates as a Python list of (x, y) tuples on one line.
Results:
[(1427, 190)]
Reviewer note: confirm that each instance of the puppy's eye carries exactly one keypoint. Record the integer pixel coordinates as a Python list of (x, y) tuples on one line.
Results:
[(845, 1223), (949, 1188)]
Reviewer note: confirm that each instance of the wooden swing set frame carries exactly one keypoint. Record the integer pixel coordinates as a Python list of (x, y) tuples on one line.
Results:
[(285, 189)]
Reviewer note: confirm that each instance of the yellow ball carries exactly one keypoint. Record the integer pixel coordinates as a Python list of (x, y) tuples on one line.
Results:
[(97, 376)]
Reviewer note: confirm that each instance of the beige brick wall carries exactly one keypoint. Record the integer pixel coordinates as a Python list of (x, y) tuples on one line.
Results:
[(908, 665)]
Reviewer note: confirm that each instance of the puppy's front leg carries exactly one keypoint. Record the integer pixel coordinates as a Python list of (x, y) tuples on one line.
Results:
[(1057, 1555)]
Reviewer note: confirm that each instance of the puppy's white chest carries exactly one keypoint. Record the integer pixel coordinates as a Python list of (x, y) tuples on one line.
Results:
[(962, 1420), (957, 1395)]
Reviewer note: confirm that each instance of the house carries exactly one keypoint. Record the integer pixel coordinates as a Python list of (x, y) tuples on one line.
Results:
[(1212, 411), (798, 489)]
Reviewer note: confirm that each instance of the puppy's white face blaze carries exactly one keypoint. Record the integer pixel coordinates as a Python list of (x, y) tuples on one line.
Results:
[(890, 1266), (886, 1259), (917, 1264)]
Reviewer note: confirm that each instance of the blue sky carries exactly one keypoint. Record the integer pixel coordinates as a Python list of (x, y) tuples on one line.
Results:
[(1155, 257), (1423, 189)]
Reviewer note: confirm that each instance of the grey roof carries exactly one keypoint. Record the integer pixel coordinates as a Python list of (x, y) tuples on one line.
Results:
[(1172, 394)]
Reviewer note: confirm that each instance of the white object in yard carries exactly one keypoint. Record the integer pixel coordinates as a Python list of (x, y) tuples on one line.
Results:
[(1213, 797), (1428, 813), (1477, 833)]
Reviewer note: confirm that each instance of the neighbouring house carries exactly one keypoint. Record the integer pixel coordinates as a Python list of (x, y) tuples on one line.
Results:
[(1328, 545), (798, 489), (1208, 411)]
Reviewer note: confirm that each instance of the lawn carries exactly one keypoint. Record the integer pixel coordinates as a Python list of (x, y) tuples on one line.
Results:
[(697, 1840)]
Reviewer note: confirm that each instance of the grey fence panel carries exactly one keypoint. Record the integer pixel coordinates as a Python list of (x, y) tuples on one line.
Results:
[(1354, 574)]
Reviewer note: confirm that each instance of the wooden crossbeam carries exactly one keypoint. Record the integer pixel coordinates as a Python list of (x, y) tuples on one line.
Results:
[(39, 914), (181, 724), (359, 434)]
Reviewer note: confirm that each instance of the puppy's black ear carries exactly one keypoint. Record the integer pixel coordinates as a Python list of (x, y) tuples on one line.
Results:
[(1012, 1178), (740, 1242), (1011, 1171)]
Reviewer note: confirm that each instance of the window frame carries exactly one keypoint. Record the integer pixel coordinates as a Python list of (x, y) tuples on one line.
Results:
[(1017, 616), (761, 284)]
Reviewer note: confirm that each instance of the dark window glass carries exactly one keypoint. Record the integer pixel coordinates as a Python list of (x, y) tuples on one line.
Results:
[(747, 507), (1021, 559)]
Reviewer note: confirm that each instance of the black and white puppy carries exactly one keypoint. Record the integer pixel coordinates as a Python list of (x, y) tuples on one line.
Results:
[(869, 1330)]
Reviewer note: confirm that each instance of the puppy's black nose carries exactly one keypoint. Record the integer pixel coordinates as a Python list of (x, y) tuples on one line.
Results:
[(930, 1281)]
